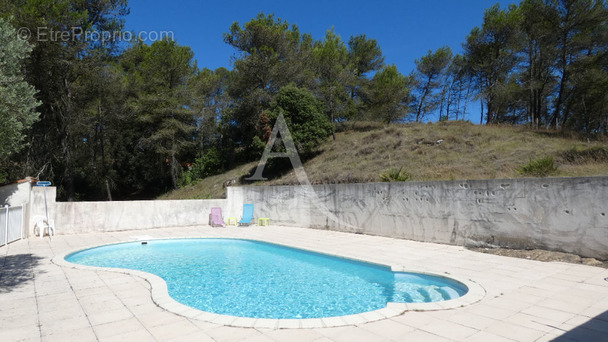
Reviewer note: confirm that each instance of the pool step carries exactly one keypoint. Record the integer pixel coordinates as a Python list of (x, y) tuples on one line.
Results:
[(431, 294), (449, 292)]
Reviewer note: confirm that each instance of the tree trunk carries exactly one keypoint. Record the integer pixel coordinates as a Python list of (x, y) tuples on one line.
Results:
[(531, 102), (109, 192), (173, 165), (560, 98), (333, 126), (332, 109), (442, 102), (481, 118), (419, 111), (104, 168), (68, 175), (466, 99), (459, 99), (449, 101), (562, 83)]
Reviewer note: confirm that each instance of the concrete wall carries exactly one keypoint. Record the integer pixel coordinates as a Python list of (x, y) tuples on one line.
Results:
[(18, 194), (563, 214), (77, 217), (15, 194), (38, 197)]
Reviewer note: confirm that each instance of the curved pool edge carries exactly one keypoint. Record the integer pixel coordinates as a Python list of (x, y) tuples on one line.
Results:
[(160, 296)]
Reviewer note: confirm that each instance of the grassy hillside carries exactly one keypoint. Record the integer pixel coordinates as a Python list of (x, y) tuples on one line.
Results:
[(438, 151)]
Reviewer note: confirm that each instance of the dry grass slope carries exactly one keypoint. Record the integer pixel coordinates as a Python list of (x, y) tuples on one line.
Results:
[(437, 151)]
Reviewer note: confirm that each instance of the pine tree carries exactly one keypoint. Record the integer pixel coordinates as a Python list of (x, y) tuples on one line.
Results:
[(17, 101), (429, 70)]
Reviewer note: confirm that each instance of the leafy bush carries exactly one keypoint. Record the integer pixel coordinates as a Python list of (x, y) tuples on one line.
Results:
[(304, 116), (209, 164), (541, 167), (186, 179), (256, 148), (394, 175)]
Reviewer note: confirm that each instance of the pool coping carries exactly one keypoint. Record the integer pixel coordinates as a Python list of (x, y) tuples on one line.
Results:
[(160, 295)]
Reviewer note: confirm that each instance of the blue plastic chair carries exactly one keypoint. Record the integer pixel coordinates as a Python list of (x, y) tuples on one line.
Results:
[(247, 215)]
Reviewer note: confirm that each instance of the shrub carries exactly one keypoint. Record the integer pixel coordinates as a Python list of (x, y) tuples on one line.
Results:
[(209, 164), (395, 175), (304, 116), (541, 167)]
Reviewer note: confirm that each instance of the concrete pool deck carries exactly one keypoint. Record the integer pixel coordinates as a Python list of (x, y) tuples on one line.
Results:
[(525, 300)]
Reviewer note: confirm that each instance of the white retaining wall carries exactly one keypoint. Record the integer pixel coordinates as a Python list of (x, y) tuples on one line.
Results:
[(563, 214)]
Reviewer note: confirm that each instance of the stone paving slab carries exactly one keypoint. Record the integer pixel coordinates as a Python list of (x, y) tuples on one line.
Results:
[(524, 300)]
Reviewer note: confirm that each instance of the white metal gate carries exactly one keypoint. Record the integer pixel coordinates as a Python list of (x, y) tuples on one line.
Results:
[(11, 224)]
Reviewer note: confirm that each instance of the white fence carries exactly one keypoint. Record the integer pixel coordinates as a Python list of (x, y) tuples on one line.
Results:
[(11, 224)]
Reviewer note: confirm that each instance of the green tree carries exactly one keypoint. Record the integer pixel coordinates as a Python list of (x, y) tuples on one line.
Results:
[(581, 40), (365, 57), (365, 54), (54, 68), (270, 54), (332, 65), (456, 90), (539, 55), (17, 101), (491, 52), (209, 101), (162, 103), (105, 129), (587, 105), (429, 70), (390, 94), (304, 116)]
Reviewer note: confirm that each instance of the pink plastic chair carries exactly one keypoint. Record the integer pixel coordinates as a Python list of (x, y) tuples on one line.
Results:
[(215, 218)]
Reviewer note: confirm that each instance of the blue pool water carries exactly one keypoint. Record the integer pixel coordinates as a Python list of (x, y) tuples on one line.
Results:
[(262, 280)]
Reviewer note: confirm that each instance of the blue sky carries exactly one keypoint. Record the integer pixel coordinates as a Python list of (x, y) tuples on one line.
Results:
[(405, 29)]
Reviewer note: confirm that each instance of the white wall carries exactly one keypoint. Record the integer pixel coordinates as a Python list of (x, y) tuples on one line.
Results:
[(15, 194), (77, 217), (42, 201), (563, 214), (18, 194)]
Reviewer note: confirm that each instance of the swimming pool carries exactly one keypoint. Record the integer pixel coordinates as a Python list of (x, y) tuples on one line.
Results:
[(255, 279)]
